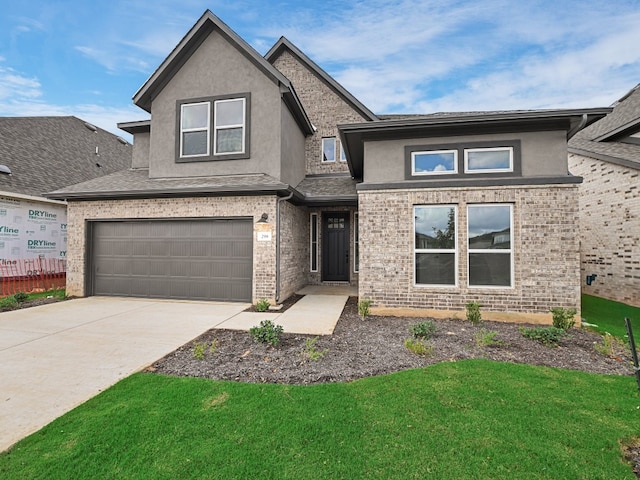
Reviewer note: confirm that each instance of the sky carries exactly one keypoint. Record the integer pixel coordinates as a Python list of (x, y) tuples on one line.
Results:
[(88, 58)]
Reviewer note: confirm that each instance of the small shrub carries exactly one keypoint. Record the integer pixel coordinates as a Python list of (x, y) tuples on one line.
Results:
[(611, 346), (563, 318), (267, 332), (8, 303), (262, 305), (21, 297), (418, 346), (311, 350), (473, 312), (424, 329), (198, 350), (487, 338), (214, 346), (364, 308), (549, 336)]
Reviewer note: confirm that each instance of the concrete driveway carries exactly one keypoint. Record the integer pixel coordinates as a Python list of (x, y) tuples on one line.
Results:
[(55, 357)]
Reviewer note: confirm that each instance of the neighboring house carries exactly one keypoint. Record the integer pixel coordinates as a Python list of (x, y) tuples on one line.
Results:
[(607, 155), (258, 175), (37, 155)]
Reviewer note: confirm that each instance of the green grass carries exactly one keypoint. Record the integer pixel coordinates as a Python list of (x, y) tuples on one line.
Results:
[(466, 420), (609, 316)]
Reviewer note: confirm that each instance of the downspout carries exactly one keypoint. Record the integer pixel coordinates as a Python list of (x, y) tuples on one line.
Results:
[(288, 197), (578, 127)]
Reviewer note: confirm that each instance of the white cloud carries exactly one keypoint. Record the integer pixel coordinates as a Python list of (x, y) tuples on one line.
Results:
[(15, 85)]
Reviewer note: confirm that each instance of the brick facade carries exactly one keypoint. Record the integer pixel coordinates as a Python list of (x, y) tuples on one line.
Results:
[(264, 253), (544, 244), (325, 108), (609, 228), (294, 249)]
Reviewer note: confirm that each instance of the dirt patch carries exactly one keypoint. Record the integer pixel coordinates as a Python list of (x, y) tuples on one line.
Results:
[(286, 305), (375, 346)]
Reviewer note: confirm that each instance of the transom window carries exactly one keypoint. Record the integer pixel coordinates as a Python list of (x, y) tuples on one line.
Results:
[(436, 162), (435, 245), (229, 118), (490, 246), (194, 127), (488, 160)]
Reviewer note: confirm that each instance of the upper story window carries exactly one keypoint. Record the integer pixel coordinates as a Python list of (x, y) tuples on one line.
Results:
[(215, 128), (329, 149), (194, 129), (436, 162), (343, 156), (229, 118), (488, 160)]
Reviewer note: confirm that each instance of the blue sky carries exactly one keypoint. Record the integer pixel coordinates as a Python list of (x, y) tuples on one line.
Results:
[(88, 58)]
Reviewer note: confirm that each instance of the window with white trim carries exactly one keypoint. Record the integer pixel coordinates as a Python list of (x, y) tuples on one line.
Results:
[(489, 230), (328, 149), (435, 162), (229, 126), (356, 244), (343, 156), (313, 240), (195, 129), (435, 245), (488, 160)]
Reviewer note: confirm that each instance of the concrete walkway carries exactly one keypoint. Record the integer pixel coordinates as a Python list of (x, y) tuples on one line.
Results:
[(55, 357), (312, 315)]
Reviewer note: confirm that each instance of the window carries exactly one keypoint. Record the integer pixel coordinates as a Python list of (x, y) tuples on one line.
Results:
[(435, 245), (329, 149), (490, 250), (356, 244), (229, 116), (314, 242), (343, 156), (194, 129), (488, 160), (214, 128), (436, 162)]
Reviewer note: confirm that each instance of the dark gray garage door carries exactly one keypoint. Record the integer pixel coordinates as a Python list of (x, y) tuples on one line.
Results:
[(182, 259)]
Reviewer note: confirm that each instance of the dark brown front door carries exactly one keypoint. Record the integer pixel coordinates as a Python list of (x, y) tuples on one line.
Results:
[(335, 246)]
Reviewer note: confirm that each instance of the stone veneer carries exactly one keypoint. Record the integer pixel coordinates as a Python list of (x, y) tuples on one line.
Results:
[(609, 228), (325, 108), (264, 253), (545, 248)]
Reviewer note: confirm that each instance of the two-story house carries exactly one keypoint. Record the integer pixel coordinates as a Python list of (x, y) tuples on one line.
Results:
[(258, 175)]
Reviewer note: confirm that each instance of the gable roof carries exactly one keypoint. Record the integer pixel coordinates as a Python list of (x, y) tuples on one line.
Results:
[(48, 153), (207, 23), (284, 44), (602, 140), (353, 136)]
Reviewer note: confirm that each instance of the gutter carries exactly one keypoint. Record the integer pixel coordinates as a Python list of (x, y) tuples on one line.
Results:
[(282, 199)]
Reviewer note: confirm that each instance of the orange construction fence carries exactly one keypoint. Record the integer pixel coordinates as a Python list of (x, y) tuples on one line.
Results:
[(32, 275)]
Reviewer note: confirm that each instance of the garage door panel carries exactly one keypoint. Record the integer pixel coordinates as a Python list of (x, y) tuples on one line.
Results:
[(186, 259)]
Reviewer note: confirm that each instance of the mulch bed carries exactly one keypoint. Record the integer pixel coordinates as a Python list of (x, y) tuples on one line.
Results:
[(375, 346)]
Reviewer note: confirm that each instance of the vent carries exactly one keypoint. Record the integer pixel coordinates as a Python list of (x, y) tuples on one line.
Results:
[(91, 127), (5, 170), (122, 140)]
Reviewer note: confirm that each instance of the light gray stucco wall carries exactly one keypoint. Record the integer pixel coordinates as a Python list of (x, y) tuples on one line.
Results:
[(140, 156), (543, 154), (292, 150), (217, 68)]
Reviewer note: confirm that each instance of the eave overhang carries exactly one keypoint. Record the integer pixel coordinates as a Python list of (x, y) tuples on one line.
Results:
[(354, 136)]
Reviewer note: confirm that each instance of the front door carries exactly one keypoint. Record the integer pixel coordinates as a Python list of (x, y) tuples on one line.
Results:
[(335, 246)]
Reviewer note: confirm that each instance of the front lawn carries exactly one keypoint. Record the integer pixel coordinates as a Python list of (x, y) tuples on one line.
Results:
[(469, 419), (609, 316)]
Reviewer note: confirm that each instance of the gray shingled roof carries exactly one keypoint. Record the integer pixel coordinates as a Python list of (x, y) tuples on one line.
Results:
[(321, 187), (48, 153), (626, 111), (136, 183)]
